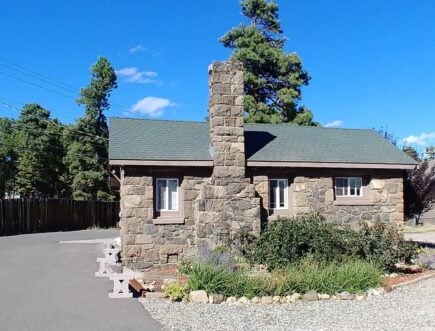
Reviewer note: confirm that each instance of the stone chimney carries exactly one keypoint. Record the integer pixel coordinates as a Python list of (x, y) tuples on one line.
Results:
[(226, 119)]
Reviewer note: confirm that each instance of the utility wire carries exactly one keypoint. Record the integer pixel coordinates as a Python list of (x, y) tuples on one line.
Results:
[(54, 82)]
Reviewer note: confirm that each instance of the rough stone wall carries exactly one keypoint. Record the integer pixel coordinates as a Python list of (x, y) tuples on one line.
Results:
[(227, 202), (384, 200), (145, 244)]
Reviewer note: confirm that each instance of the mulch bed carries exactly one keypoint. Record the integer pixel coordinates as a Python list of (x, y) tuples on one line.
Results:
[(388, 282)]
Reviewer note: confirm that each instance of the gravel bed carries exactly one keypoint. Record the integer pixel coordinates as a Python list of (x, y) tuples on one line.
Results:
[(408, 308)]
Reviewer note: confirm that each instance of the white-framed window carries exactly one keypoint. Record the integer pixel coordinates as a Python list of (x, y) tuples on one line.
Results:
[(278, 193), (348, 186), (167, 194)]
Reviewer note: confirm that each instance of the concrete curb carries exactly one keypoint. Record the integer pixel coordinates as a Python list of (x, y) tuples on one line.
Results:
[(413, 281)]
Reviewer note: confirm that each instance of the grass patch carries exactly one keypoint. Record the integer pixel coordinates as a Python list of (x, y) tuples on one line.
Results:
[(352, 275)]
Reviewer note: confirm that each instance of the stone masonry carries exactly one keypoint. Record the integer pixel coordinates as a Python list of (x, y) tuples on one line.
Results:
[(227, 202), (383, 200)]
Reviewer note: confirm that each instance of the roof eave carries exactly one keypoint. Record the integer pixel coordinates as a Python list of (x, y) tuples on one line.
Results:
[(251, 163)]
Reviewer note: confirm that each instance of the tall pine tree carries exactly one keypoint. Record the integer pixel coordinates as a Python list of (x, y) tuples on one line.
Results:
[(38, 145), (88, 139), (273, 79)]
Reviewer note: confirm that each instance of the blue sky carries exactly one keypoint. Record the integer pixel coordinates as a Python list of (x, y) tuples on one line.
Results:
[(371, 62)]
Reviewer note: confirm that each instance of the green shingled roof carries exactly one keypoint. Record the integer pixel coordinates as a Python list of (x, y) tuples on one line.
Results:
[(137, 139)]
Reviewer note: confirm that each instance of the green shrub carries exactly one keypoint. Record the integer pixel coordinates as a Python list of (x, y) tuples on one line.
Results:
[(176, 291), (383, 244), (287, 241)]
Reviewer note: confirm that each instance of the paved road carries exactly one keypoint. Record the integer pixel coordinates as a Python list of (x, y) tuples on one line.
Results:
[(48, 286), (424, 237)]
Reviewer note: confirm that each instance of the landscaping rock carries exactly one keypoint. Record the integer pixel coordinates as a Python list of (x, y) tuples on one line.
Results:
[(231, 300), (360, 297), (334, 297), (346, 296), (266, 300), (324, 296), (380, 290), (295, 297), (243, 300), (276, 299), (198, 296), (255, 300), (311, 296), (282, 300), (215, 298)]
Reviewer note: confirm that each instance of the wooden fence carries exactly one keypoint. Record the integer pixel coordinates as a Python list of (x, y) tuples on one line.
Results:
[(19, 216)]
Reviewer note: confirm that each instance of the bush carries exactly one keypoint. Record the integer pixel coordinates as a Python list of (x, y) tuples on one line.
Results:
[(176, 291), (287, 241), (383, 245)]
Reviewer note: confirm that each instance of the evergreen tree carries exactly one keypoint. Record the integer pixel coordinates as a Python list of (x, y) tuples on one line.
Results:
[(412, 152), (273, 79), (8, 156), (40, 152), (430, 152), (88, 139)]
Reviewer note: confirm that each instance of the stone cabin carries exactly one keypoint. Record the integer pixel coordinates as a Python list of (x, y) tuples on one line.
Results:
[(185, 185)]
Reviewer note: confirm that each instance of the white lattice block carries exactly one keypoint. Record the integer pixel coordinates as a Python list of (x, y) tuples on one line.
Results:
[(102, 268), (111, 255), (120, 285)]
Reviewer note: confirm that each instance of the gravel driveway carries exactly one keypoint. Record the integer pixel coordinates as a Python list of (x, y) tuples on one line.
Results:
[(406, 308)]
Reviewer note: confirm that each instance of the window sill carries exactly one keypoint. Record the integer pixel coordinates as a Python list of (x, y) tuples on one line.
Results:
[(353, 202), (169, 220)]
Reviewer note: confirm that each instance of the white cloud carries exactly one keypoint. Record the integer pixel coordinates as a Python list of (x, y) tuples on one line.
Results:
[(334, 124), (152, 106), (422, 140), (133, 75), (137, 49)]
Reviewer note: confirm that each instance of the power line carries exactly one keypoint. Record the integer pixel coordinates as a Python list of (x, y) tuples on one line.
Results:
[(54, 82)]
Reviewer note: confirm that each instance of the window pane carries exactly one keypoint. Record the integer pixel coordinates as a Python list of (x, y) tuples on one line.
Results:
[(161, 191), (355, 186), (272, 193), (281, 194), (340, 186), (172, 194)]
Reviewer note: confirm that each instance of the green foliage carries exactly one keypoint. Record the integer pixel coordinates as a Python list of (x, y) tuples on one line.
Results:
[(89, 137), (176, 291), (383, 245), (412, 152), (351, 275), (39, 149), (8, 156), (288, 240), (210, 277), (273, 79), (417, 190)]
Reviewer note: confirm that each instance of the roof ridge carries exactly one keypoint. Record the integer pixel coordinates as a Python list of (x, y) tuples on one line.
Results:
[(154, 120)]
